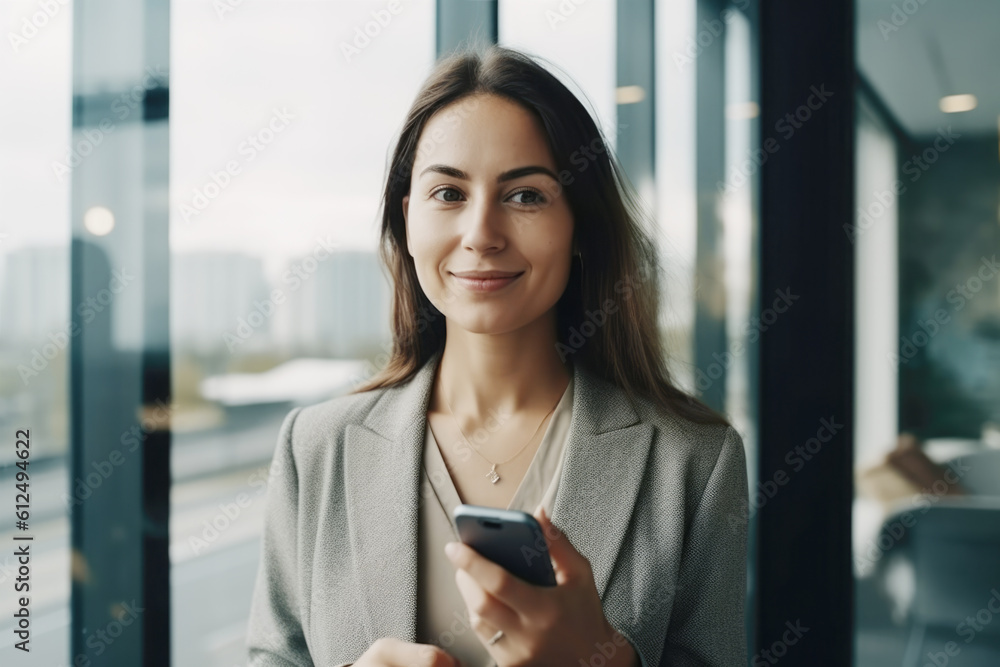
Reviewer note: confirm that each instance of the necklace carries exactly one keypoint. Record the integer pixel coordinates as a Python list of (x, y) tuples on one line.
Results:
[(492, 474)]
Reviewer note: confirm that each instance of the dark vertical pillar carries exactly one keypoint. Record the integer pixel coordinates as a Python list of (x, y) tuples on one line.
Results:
[(753, 348), (803, 564), (120, 360), (465, 21)]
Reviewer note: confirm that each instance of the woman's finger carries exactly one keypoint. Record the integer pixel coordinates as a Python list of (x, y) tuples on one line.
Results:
[(395, 652), (494, 579), (480, 603)]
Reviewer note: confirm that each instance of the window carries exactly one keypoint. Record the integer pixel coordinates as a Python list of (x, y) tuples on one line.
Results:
[(281, 121)]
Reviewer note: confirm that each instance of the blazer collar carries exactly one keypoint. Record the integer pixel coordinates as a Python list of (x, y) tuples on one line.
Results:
[(603, 465)]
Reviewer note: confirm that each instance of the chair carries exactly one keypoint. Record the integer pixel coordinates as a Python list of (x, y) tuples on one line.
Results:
[(954, 549), (983, 476)]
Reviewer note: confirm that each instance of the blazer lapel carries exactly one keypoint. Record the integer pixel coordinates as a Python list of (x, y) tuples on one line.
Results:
[(382, 467), (602, 468)]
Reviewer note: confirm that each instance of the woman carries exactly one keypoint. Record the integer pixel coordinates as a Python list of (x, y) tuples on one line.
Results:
[(526, 373)]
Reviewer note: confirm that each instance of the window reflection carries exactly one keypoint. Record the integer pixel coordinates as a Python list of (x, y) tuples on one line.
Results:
[(927, 504)]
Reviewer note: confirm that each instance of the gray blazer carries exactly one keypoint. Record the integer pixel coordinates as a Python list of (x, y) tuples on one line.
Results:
[(656, 503)]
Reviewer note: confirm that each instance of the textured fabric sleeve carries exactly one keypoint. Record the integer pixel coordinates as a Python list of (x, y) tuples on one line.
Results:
[(275, 636), (707, 621)]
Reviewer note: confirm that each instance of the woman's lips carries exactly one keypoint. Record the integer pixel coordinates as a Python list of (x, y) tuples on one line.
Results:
[(485, 284)]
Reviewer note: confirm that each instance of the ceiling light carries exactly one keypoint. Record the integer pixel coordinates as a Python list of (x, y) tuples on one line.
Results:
[(99, 221), (742, 110), (630, 94), (957, 103)]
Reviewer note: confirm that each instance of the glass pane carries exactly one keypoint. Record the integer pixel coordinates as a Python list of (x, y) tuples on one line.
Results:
[(676, 200), (281, 119), (576, 40), (926, 233), (739, 219), (36, 80), (727, 62)]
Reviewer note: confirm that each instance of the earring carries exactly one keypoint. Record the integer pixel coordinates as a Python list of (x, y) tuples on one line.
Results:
[(580, 255)]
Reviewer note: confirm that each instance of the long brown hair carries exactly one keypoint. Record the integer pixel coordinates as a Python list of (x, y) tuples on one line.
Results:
[(607, 316)]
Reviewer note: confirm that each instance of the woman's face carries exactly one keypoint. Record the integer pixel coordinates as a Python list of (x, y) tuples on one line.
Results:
[(485, 196)]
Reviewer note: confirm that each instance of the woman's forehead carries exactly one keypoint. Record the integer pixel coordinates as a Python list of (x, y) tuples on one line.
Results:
[(489, 136)]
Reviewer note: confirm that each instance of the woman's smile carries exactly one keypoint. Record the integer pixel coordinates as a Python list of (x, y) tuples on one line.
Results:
[(484, 283)]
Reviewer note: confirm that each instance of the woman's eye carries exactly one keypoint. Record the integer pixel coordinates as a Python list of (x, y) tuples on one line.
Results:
[(521, 197), (451, 195), (529, 198)]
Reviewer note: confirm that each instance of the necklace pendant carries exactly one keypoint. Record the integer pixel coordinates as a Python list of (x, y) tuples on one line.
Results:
[(492, 474)]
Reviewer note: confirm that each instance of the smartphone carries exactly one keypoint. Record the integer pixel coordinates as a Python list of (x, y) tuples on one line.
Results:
[(510, 538)]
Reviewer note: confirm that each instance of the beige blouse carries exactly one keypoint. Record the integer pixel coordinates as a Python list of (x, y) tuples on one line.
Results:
[(442, 617)]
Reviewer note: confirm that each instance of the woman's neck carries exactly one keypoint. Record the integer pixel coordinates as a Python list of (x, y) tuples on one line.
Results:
[(510, 373)]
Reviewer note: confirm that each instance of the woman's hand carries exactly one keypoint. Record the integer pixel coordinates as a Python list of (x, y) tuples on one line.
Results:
[(542, 625), (392, 652)]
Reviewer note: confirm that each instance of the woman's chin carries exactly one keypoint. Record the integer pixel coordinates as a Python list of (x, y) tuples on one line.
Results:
[(490, 325)]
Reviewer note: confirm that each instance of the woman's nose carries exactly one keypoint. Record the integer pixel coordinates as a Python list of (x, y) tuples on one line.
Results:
[(483, 225)]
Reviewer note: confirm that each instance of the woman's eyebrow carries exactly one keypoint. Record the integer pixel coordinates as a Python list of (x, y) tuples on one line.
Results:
[(505, 176)]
